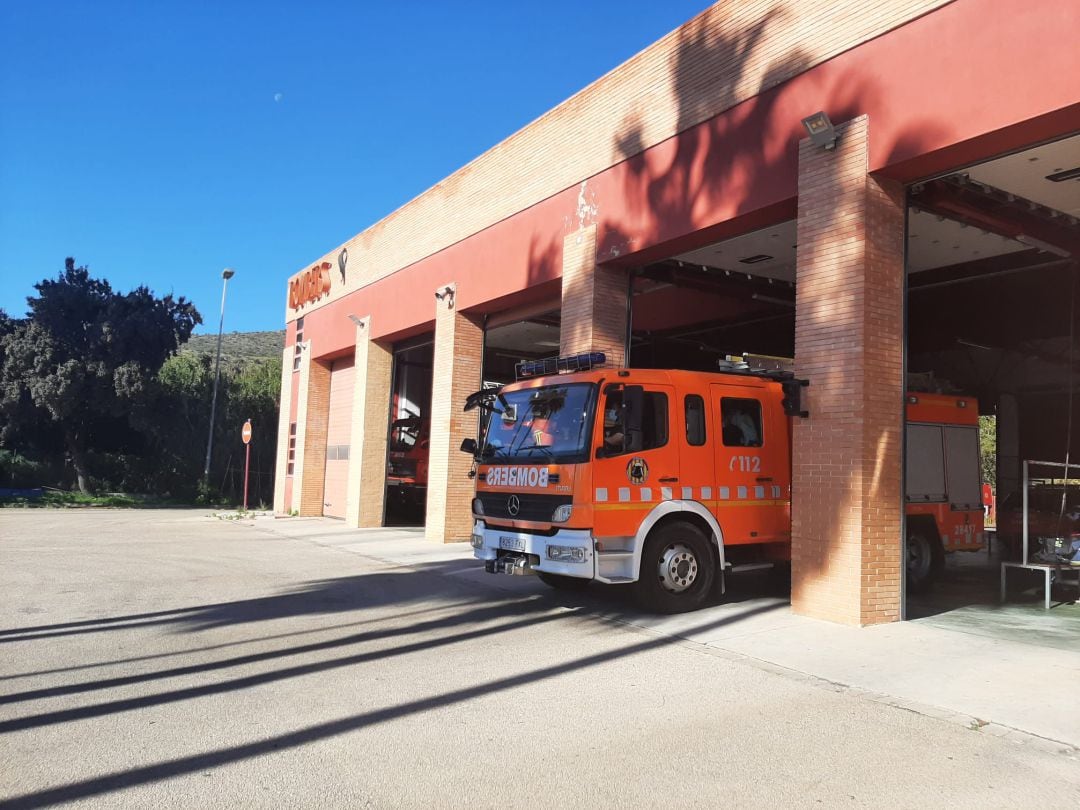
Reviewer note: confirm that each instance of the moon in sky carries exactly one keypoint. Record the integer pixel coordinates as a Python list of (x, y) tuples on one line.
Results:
[(278, 96)]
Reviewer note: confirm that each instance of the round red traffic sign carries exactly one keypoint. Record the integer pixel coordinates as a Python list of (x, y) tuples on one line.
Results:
[(246, 432)]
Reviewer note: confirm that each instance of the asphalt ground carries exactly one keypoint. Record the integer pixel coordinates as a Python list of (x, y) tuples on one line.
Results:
[(169, 659)]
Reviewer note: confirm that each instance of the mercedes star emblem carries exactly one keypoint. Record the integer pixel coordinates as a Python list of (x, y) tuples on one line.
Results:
[(513, 505)]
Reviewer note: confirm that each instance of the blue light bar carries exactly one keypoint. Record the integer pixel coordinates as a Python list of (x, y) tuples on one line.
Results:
[(559, 365)]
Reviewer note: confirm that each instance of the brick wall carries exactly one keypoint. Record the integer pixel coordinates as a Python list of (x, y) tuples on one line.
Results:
[(459, 342), (593, 301), (370, 425), (727, 54), (314, 458), (846, 477), (281, 462)]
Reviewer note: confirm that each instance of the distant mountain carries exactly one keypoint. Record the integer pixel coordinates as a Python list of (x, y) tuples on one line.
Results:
[(239, 344)]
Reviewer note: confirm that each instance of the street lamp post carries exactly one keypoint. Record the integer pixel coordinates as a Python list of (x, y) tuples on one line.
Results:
[(226, 274)]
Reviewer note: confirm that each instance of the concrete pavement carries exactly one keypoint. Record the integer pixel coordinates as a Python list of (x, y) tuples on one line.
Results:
[(972, 678), (167, 659)]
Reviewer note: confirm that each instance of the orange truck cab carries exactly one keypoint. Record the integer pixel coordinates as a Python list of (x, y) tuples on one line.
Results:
[(660, 479)]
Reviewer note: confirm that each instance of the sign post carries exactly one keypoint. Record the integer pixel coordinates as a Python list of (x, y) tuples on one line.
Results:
[(245, 434)]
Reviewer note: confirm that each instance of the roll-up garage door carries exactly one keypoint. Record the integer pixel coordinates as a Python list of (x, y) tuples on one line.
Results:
[(338, 435)]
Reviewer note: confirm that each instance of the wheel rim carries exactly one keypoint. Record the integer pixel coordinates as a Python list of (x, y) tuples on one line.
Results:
[(678, 568), (918, 557)]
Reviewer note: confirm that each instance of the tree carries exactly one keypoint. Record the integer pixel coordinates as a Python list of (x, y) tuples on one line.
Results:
[(86, 355), (988, 449)]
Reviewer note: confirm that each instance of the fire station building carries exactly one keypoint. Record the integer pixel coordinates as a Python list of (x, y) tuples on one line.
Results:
[(879, 190)]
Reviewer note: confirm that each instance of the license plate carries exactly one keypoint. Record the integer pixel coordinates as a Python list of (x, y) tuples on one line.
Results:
[(512, 543)]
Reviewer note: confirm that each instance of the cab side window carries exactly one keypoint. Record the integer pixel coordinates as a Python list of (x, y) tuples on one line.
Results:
[(741, 422), (695, 420), (654, 422)]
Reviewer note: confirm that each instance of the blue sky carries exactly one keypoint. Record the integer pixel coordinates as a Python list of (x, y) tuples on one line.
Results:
[(159, 142)]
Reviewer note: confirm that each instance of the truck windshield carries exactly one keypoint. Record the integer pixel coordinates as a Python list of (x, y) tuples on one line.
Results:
[(404, 433), (540, 424)]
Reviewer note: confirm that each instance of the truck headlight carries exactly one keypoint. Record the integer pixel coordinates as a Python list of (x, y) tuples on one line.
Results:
[(477, 541), (477, 506), (562, 513), (574, 554)]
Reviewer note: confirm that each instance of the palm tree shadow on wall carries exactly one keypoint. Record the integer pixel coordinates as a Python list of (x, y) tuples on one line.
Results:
[(722, 160)]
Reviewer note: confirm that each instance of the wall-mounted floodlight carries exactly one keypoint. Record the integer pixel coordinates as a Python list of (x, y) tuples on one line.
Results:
[(446, 294), (821, 130), (357, 320)]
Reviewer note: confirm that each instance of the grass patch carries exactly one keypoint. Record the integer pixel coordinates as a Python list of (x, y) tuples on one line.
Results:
[(59, 498)]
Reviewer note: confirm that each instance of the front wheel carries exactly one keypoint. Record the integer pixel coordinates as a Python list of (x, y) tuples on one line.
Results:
[(677, 569)]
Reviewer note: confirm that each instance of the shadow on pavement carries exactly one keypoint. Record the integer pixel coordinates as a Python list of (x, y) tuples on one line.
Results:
[(535, 610)]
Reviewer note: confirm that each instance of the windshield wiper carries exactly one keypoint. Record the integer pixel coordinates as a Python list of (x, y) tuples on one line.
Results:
[(539, 447)]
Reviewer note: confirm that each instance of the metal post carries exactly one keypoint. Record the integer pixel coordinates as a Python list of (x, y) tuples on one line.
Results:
[(1025, 502), (247, 464), (226, 274)]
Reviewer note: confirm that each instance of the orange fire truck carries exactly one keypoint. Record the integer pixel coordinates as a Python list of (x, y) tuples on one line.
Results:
[(668, 480)]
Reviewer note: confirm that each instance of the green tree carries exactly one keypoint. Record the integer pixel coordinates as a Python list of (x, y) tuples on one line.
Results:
[(176, 419), (988, 449), (86, 356)]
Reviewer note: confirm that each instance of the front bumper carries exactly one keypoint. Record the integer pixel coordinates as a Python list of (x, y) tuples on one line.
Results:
[(503, 549)]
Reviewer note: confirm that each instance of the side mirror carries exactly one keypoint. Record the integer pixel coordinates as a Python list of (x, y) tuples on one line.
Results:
[(469, 446), (633, 418)]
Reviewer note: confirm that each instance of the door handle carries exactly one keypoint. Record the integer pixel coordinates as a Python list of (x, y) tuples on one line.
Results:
[(763, 479), (669, 480)]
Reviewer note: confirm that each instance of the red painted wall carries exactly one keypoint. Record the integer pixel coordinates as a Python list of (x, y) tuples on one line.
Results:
[(965, 82)]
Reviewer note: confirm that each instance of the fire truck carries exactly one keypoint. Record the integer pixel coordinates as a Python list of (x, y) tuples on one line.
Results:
[(666, 480), (407, 462)]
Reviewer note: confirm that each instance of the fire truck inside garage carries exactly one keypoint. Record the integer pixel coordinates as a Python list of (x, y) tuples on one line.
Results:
[(992, 315)]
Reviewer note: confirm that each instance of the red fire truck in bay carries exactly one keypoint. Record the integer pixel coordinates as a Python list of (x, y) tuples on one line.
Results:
[(666, 480), (407, 462)]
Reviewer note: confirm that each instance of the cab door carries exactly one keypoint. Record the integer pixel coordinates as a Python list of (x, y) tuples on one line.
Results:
[(753, 467), (696, 434), (635, 466)]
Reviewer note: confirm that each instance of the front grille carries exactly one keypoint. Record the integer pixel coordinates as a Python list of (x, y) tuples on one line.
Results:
[(533, 507)]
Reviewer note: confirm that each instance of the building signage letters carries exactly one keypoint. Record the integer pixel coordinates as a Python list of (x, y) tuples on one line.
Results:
[(310, 286)]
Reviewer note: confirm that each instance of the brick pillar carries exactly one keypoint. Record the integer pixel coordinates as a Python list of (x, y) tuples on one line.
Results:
[(315, 400), (846, 482), (593, 301), (281, 463), (459, 346), (304, 374), (370, 425)]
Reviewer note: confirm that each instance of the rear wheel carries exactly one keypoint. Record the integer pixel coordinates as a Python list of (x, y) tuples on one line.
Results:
[(925, 558), (677, 569), (561, 582)]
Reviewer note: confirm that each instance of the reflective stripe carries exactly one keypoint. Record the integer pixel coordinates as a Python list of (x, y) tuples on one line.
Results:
[(742, 492), (601, 494), (759, 492), (706, 493), (646, 493), (687, 493), (665, 493), (624, 494), (725, 493)]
